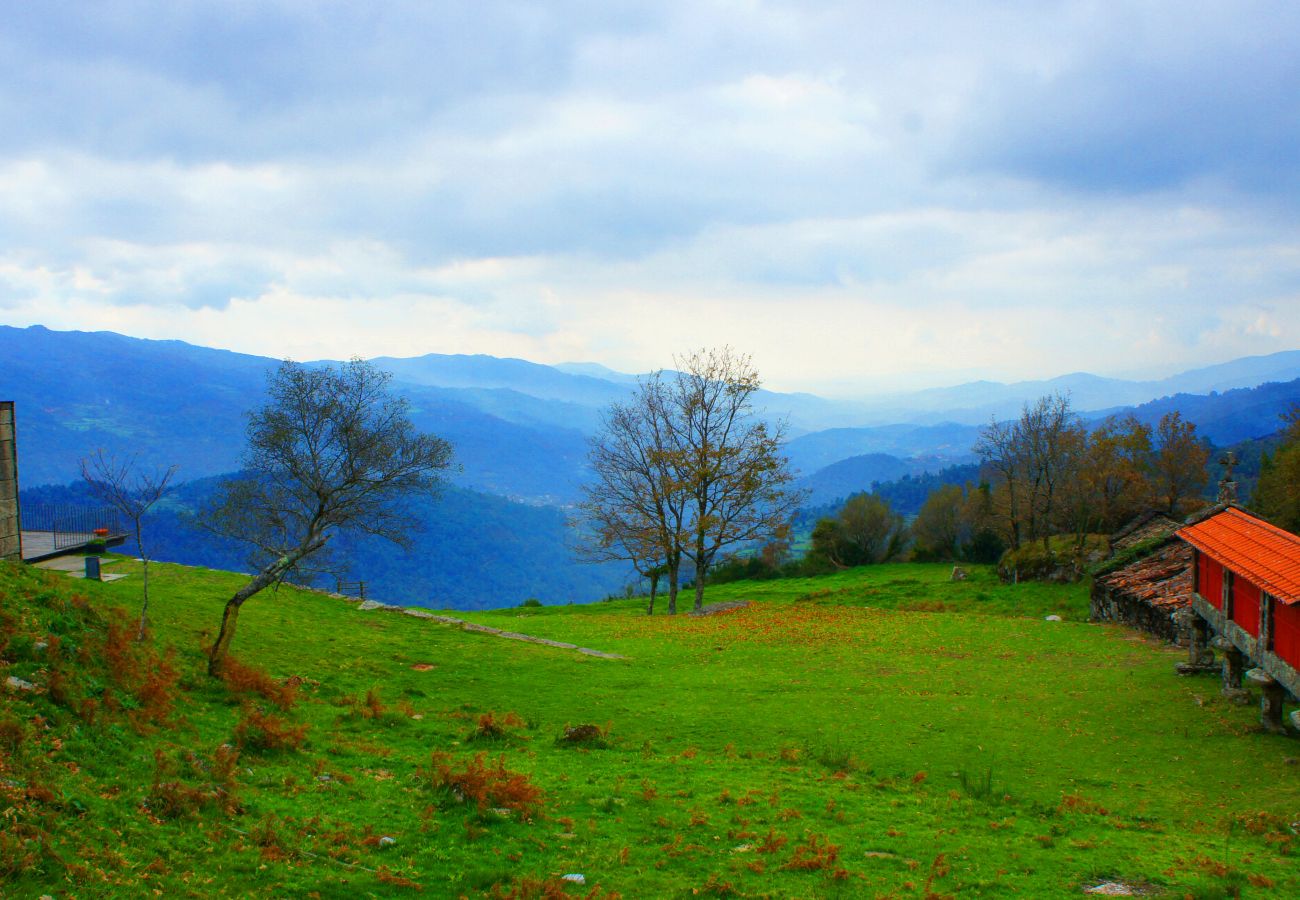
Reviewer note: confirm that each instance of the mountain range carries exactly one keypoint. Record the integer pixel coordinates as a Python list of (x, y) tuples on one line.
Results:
[(520, 428)]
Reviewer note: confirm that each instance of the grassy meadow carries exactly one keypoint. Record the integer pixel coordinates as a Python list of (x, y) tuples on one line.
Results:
[(883, 732)]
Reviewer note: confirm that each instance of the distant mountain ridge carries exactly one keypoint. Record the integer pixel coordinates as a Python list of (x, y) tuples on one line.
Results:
[(978, 402), (521, 427)]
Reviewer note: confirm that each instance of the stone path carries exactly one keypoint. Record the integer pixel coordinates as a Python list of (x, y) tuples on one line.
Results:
[(712, 609), (483, 629)]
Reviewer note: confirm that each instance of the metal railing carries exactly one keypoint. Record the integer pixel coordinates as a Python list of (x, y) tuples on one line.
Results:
[(350, 588), (70, 524)]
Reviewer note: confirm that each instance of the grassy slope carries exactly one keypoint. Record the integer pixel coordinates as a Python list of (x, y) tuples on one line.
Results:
[(807, 717)]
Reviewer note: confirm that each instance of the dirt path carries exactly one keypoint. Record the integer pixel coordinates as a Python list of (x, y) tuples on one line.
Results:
[(483, 629)]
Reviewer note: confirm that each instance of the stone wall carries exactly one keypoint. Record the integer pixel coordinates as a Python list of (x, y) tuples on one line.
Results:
[(9, 538)]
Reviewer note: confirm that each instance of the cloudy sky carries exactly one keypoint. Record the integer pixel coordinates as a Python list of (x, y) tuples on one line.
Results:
[(864, 196)]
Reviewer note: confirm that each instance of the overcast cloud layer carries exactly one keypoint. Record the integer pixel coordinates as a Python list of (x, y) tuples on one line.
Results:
[(863, 196)]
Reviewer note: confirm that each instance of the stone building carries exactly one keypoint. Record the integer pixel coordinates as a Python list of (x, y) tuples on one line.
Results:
[(1153, 582)]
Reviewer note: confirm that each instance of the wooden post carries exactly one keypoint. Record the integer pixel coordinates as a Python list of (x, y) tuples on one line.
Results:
[(1265, 621)]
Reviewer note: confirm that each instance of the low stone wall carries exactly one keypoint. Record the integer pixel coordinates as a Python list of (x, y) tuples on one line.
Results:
[(10, 540), (1116, 606)]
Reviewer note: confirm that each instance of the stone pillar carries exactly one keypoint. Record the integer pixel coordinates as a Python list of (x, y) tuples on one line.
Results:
[(1234, 665), (1196, 631), (10, 537), (1270, 705)]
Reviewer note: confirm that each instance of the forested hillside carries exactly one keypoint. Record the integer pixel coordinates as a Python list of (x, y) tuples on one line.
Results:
[(473, 551)]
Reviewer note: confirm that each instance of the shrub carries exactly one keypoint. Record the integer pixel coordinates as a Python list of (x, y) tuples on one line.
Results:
[(486, 785), (816, 852), (493, 728), (171, 797), (266, 731), (157, 691), (531, 602), (12, 734), (244, 679)]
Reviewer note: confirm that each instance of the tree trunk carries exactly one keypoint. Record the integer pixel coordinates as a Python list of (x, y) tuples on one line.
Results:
[(699, 586), (144, 588), (654, 589), (672, 590), (230, 617)]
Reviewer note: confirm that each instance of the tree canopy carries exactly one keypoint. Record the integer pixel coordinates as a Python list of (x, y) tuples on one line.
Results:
[(685, 470), (330, 450)]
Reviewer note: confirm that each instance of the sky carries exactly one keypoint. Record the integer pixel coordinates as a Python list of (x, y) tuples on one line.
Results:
[(865, 197)]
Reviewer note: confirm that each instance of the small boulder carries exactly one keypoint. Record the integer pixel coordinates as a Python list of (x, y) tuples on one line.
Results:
[(1052, 619), (583, 734), (16, 684)]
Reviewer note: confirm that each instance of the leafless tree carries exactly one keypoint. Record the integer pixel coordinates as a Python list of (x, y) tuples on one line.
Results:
[(686, 469), (728, 463), (132, 492), (633, 508), (1030, 460), (332, 449)]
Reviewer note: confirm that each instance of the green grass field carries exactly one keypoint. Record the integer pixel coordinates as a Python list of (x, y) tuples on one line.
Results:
[(883, 732)]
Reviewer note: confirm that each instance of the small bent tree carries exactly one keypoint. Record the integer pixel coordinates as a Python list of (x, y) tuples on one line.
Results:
[(332, 449), (132, 492)]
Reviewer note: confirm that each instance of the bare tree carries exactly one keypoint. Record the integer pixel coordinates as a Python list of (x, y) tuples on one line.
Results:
[(1031, 459), (332, 449), (132, 492), (633, 508), (728, 463), (685, 469), (1001, 453), (1051, 436)]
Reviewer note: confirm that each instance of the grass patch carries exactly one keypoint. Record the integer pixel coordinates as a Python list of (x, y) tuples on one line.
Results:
[(796, 747)]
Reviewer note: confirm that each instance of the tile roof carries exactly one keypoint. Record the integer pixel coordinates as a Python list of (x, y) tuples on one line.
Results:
[(1162, 580), (1146, 527), (1258, 551)]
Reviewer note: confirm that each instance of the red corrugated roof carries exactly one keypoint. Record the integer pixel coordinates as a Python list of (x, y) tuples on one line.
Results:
[(1254, 549)]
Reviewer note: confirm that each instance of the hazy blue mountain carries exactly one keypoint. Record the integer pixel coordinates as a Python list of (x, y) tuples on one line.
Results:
[(1229, 417), (1249, 371), (474, 551), (478, 371), (857, 473), (166, 401), (978, 402), (520, 427), (594, 387), (950, 442), (596, 370), (169, 402)]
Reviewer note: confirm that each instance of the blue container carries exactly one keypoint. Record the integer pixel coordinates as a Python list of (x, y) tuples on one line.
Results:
[(92, 568)]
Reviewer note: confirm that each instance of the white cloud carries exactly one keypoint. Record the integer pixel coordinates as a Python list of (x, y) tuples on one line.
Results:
[(859, 196)]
